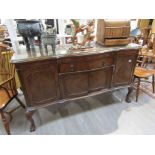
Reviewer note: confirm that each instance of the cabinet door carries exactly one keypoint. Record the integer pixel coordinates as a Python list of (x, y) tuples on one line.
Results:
[(124, 67), (39, 82), (100, 79), (74, 84)]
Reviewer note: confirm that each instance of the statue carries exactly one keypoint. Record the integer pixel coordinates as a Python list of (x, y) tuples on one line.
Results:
[(76, 28), (49, 38), (88, 37), (31, 28), (28, 29), (86, 30)]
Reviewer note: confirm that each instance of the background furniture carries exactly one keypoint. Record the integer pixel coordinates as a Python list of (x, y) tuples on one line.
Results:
[(143, 73), (50, 80), (8, 90), (152, 36), (147, 54), (140, 35), (144, 26), (5, 48)]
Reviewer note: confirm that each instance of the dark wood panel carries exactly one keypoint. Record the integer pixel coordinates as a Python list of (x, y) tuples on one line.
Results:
[(124, 67), (74, 84), (73, 64), (40, 83), (100, 79), (99, 63), (72, 59)]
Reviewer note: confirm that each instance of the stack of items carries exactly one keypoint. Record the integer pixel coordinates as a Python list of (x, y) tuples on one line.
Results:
[(110, 32)]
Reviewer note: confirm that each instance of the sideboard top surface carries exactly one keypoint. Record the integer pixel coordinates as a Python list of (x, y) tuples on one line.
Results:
[(22, 55)]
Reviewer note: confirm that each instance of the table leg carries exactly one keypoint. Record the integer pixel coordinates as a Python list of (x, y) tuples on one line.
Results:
[(5, 123), (29, 115), (128, 96)]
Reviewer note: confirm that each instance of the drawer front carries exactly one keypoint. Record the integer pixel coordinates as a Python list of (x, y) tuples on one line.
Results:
[(100, 62), (86, 63), (117, 32), (73, 66)]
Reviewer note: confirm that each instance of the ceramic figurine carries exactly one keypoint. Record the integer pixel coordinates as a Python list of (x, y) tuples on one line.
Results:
[(88, 37), (86, 30), (76, 28)]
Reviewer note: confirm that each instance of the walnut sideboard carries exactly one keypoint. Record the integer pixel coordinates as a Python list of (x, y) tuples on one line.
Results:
[(51, 79)]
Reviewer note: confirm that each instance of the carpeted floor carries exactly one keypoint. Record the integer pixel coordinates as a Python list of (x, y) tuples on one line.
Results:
[(102, 114)]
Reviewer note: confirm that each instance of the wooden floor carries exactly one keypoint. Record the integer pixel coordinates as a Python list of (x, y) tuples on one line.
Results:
[(103, 114)]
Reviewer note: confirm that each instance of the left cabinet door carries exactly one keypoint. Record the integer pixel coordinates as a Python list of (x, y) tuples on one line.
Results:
[(39, 81)]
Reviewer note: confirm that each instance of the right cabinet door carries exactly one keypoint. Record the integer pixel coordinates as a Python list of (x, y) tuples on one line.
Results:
[(100, 79), (124, 67)]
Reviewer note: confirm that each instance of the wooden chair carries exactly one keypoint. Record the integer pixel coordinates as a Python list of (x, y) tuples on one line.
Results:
[(8, 89), (147, 53), (141, 33), (143, 73)]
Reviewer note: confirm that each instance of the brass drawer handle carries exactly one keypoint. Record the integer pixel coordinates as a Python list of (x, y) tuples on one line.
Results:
[(129, 60), (72, 67)]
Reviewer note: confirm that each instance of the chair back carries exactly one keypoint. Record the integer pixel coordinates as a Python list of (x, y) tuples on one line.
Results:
[(7, 78), (7, 70)]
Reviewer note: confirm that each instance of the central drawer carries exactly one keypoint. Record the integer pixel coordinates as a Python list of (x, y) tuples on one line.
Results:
[(74, 64)]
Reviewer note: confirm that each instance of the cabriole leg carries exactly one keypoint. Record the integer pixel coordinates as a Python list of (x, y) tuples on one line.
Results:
[(5, 123), (29, 115), (128, 96)]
